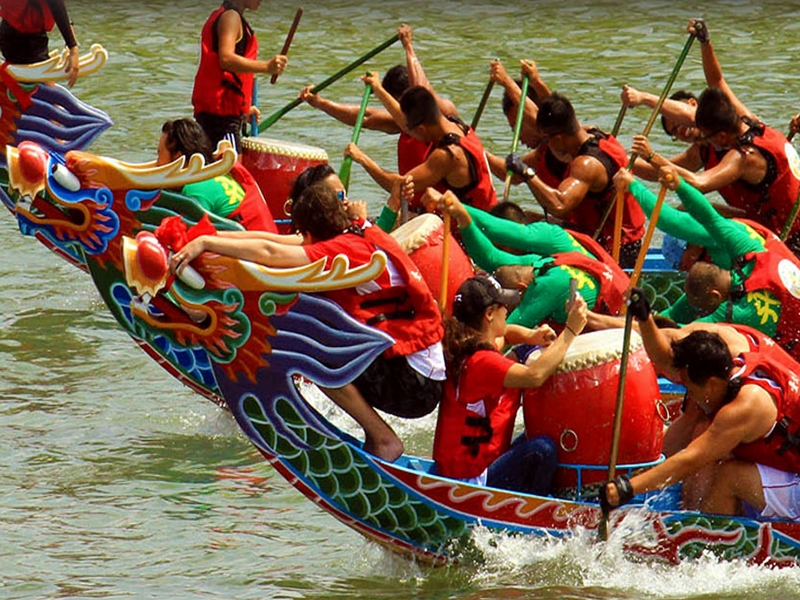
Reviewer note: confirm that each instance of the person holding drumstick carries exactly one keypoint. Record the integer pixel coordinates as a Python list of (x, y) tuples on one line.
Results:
[(223, 86), (483, 391)]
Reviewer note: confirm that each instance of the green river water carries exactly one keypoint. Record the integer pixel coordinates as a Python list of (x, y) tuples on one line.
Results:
[(117, 482)]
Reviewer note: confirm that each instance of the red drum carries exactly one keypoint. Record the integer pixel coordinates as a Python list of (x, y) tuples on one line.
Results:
[(275, 165), (576, 406), (422, 238)]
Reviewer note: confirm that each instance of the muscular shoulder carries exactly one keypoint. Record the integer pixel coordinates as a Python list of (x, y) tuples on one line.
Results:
[(588, 169)]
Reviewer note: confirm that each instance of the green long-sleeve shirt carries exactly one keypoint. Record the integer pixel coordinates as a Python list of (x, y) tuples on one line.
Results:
[(547, 296), (730, 240), (539, 238)]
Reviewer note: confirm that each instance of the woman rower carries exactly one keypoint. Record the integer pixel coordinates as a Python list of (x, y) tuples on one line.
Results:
[(483, 391)]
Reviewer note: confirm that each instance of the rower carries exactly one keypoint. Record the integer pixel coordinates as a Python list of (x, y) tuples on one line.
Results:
[(410, 152), (234, 195), (735, 446), (544, 281), (746, 161)]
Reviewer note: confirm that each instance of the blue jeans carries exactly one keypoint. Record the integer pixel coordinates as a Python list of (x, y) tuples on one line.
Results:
[(528, 466)]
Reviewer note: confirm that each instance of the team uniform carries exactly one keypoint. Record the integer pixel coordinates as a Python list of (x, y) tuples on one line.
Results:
[(600, 283), (586, 217), (480, 192), (769, 202), (475, 425), (406, 380), (235, 195), (221, 98), (777, 455)]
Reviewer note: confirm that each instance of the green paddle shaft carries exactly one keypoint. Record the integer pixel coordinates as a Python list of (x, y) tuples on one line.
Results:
[(656, 110), (620, 116), (347, 164), (517, 131), (270, 121), (484, 99), (790, 221)]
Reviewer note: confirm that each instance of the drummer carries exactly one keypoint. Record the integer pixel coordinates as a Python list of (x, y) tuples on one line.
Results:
[(235, 195), (483, 391), (743, 394), (545, 281), (407, 379), (758, 286), (223, 87)]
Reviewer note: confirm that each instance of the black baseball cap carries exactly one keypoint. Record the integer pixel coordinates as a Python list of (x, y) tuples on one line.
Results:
[(477, 294)]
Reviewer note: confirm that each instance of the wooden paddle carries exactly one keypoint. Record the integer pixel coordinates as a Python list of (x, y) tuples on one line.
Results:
[(347, 164), (602, 528), (482, 105), (271, 120), (656, 110), (517, 130), (445, 264), (289, 38)]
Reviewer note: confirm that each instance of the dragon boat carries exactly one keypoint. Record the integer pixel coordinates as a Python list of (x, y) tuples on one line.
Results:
[(267, 333)]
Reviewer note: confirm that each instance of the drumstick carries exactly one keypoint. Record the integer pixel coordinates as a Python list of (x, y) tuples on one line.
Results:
[(289, 38)]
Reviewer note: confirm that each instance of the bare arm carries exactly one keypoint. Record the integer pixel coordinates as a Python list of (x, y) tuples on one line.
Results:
[(376, 119), (584, 171), (416, 74), (292, 240), (713, 72), (681, 112), (229, 29), (263, 252), (536, 373)]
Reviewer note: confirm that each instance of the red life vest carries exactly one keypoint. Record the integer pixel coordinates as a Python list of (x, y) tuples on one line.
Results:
[(586, 216), (410, 154), (480, 193), (466, 443), (769, 202), (253, 212), (27, 16), (407, 312), (780, 274), (612, 279), (772, 369), (219, 92)]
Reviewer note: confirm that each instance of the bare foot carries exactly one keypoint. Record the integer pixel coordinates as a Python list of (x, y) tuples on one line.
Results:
[(388, 448)]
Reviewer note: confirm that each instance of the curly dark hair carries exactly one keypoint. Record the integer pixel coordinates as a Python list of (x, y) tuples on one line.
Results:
[(319, 213), (460, 342), (188, 137)]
